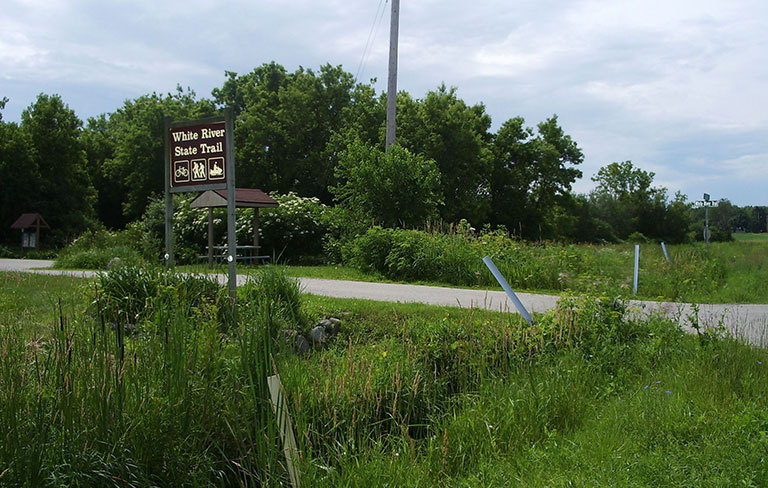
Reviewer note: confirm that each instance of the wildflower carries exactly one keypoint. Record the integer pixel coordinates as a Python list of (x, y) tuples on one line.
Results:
[(760, 362), (658, 382), (669, 392), (646, 387)]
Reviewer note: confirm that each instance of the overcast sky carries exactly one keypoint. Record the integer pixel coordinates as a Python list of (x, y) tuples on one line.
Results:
[(677, 86)]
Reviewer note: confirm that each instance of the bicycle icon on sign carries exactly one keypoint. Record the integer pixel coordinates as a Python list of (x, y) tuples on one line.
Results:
[(181, 172)]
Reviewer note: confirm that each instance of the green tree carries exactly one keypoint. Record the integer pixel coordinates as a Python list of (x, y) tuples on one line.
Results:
[(135, 170), (285, 123), (99, 143), (19, 177), (66, 195), (626, 200), (532, 177), (392, 188), (442, 127)]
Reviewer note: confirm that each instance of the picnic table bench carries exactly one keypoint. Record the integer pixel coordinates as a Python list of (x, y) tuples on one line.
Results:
[(244, 254)]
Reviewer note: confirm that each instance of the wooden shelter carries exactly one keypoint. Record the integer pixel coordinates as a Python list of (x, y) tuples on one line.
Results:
[(30, 239), (244, 198)]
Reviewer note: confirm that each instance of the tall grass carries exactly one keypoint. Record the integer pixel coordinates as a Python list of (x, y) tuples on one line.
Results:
[(181, 403), (729, 272), (406, 396)]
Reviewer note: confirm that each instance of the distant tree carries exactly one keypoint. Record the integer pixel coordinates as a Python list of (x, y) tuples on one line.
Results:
[(19, 178), (442, 127), (135, 170), (625, 199), (99, 142), (393, 188), (66, 196), (285, 122), (532, 177)]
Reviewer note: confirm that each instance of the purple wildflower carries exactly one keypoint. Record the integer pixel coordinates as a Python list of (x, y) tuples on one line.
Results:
[(669, 392)]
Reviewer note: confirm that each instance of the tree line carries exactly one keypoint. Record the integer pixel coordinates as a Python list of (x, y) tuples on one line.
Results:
[(321, 133)]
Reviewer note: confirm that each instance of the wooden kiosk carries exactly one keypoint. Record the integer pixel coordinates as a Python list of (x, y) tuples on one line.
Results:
[(30, 225)]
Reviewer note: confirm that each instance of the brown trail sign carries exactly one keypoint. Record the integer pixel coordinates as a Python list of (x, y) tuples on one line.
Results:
[(200, 156)]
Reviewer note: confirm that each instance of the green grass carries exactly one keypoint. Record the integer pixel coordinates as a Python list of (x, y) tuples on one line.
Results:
[(33, 299), (730, 273), (745, 236), (406, 395), (328, 272)]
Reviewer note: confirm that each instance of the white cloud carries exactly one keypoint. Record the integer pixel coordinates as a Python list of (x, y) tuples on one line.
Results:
[(677, 86)]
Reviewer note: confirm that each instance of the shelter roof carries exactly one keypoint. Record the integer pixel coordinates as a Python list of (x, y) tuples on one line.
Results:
[(30, 220), (244, 198)]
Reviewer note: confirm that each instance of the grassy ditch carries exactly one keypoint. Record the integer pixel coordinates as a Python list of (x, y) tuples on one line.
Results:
[(145, 380)]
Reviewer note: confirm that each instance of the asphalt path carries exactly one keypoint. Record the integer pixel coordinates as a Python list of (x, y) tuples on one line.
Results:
[(747, 321)]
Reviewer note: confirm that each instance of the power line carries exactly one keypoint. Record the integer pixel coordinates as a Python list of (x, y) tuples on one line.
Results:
[(371, 36)]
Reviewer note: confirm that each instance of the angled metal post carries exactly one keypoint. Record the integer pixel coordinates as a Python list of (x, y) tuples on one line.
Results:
[(666, 254), (511, 294)]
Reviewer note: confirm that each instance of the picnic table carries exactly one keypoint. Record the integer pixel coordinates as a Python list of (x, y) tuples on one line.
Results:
[(244, 254)]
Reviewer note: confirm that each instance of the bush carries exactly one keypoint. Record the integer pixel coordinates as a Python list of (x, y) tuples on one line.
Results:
[(292, 231), (94, 250), (131, 294), (271, 288)]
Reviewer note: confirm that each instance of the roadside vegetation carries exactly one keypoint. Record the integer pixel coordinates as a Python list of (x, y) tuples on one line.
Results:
[(141, 378), (322, 247)]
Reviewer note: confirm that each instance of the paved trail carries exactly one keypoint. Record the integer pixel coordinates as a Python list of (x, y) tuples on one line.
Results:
[(747, 321)]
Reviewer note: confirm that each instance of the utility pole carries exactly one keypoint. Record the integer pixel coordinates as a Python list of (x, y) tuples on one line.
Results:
[(392, 79)]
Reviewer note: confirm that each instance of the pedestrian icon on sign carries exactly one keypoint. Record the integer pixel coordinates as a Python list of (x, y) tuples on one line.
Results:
[(198, 170)]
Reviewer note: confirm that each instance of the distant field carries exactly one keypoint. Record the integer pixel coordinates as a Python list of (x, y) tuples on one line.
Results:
[(763, 237)]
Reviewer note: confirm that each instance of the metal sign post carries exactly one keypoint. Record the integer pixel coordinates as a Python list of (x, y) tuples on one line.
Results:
[(706, 203), (231, 237), (637, 269), (200, 156)]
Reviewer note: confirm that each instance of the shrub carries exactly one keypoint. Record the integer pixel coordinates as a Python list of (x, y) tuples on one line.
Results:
[(369, 251), (293, 230), (271, 288), (94, 249), (130, 294)]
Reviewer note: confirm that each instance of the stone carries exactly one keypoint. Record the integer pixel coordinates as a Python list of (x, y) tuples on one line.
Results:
[(318, 335), (335, 327), (114, 263), (302, 344), (325, 323)]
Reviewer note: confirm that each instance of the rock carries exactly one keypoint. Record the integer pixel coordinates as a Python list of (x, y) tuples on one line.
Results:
[(325, 323), (302, 344), (114, 263), (335, 327), (318, 335)]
